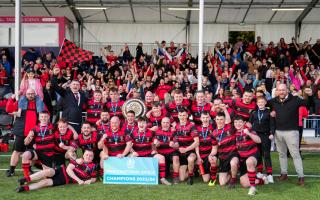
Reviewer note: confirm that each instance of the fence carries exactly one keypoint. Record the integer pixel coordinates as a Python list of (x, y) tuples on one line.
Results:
[(147, 47), (312, 123)]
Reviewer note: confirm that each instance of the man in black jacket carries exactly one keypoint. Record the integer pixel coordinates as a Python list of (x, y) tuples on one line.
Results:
[(73, 101), (286, 109)]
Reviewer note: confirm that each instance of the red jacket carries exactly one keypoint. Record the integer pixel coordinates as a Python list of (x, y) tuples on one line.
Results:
[(12, 105), (3, 77), (303, 113), (162, 90)]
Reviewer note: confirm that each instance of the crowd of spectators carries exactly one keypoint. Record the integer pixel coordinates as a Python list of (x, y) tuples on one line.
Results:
[(228, 70)]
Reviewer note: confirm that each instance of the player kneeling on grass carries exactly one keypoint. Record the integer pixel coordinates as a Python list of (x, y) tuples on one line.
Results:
[(63, 138), (81, 171), (186, 140), (205, 154), (163, 141), (114, 142), (42, 139), (87, 140), (249, 155), (226, 149), (142, 140)]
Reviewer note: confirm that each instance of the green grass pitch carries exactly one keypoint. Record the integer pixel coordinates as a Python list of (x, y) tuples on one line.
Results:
[(284, 191)]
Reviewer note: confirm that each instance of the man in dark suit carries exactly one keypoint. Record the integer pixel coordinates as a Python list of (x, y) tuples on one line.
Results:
[(72, 102)]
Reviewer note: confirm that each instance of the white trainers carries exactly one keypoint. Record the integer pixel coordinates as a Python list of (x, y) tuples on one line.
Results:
[(164, 181), (252, 191), (259, 175), (270, 178)]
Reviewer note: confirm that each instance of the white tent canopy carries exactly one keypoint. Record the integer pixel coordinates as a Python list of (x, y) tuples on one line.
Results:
[(156, 11), (149, 20)]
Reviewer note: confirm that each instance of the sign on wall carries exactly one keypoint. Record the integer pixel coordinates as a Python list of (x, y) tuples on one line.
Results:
[(36, 31), (127, 170)]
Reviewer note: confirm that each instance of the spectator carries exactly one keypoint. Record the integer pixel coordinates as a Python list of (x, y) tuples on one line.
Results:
[(6, 64), (30, 81), (286, 109), (26, 111), (72, 102)]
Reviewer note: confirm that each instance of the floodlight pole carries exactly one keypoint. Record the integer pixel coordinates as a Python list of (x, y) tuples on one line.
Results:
[(17, 47), (200, 56)]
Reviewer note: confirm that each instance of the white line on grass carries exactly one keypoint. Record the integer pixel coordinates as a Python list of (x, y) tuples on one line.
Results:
[(36, 170), (5, 155)]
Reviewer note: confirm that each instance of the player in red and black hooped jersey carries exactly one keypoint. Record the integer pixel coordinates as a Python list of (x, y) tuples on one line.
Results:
[(204, 151), (244, 106), (142, 139), (115, 142), (163, 141), (88, 139), (199, 106), (177, 104), (103, 124), (130, 123), (218, 106), (81, 171), (94, 108), (155, 115), (225, 150), (63, 138), (205, 157), (142, 146), (115, 104), (246, 142), (42, 138), (186, 140)]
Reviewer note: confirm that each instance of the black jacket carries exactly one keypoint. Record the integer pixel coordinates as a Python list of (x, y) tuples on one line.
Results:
[(71, 111), (287, 112), (266, 123)]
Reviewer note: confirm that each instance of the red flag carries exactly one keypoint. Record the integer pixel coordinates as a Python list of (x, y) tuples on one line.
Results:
[(70, 53)]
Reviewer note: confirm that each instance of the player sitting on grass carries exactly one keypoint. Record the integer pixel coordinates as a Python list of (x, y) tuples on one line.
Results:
[(81, 171)]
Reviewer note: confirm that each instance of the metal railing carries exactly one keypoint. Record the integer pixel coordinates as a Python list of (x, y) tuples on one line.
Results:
[(313, 123), (147, 47)]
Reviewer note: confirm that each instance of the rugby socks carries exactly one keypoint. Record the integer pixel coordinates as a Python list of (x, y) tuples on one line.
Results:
[(213, 172), (252, 178), (233, 180), (260, 167), (26, 169), (23, 188), (190, 174), (269, 170), (175, 175), (26, 188), (162, 170), (261, 181), (101, 172)]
